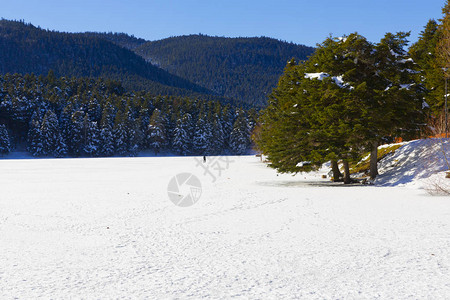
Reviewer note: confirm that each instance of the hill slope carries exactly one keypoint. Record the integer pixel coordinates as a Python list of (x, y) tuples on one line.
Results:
[(419, 163), (121, 39), (25, 48), (242, 68)]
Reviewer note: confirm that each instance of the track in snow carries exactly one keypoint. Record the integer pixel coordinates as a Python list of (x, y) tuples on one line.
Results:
[(105, 228)]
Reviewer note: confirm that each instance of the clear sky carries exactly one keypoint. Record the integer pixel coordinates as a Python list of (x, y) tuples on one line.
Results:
[(301, 21)]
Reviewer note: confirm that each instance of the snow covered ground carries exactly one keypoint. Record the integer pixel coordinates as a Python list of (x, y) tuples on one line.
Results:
[(106, 228)]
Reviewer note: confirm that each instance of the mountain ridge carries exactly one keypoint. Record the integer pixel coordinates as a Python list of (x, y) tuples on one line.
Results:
[(243, 68), (29, 49), (232, 69)]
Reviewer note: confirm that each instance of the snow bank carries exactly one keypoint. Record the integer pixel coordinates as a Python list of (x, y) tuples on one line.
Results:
[(414, 163)]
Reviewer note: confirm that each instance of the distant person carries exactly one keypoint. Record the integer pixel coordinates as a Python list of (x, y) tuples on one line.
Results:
[(204, 158)]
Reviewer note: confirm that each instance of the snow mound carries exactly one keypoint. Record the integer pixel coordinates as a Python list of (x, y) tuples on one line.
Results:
[(414, 163)]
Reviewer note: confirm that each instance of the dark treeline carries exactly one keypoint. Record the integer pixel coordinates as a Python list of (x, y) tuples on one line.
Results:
[(122, 39), (51, 116)]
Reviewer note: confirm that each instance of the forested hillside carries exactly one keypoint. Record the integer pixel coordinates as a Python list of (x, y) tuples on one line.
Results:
[(25, 49), (50, 116), (241, 68), (121, 39)]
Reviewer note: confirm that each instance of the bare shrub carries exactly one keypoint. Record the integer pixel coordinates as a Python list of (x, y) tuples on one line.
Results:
[(438, 186), (437, 130)]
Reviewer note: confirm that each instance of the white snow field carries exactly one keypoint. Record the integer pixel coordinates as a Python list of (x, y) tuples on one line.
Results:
[(105, 228)]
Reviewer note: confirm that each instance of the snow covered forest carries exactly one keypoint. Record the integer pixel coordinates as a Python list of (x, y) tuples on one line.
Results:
[(58, 117)]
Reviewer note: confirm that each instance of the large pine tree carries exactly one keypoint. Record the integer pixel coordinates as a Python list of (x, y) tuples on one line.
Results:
[(346, 99), (423, 52)]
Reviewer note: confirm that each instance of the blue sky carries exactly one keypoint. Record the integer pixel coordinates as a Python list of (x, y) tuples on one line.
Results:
[(303, 22)]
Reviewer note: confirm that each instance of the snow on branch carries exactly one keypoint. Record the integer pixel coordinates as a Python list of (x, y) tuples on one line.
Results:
[(338, 80)]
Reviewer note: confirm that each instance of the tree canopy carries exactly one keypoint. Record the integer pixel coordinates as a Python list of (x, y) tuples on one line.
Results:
[(347, 98)]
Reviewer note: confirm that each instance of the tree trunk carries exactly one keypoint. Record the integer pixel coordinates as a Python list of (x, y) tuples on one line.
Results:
[(347, 179), (374, 161), (335, 169)]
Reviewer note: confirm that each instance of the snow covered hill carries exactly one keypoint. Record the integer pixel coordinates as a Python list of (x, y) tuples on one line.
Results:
[(107, 228), (419, 163)]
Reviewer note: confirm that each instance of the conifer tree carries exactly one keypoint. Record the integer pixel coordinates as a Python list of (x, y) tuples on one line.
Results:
[(218, 135), (5, 146), (106, 141), (156, 135), (227, 126), (239, 137), (349, 96), (182, 142), (120, 135), (443, 45), (77, 133), (65, 121), (200, 138), (50, 133), (34, 134), (136, 138), (60, 147), (287, 132), (92, 137), (210, 140), (423, 52), (106, 138)]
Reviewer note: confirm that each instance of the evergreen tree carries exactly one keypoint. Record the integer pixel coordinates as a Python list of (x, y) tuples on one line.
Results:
[(94, 110), (239, 137), (423, 52), (92, 137), (65, 121), (120, 135), (349, 96), (135, 135), (106, 141), (120, 139), (200, 138), (182, 135), (218, 135), (227, 126), (156, 135), (443, 44), (5, 146), (60, 147), (77, 133), (34, 135), (50, 133)]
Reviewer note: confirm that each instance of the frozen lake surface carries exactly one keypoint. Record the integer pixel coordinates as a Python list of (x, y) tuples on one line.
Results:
[(106, 228)]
